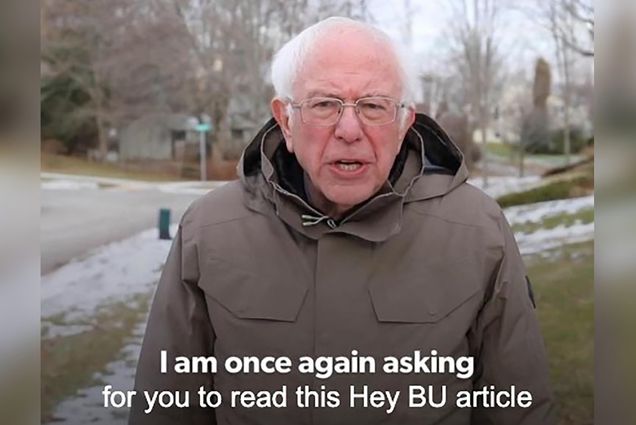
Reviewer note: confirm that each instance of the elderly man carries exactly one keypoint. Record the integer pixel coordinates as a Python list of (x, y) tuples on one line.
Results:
[(352, 232)]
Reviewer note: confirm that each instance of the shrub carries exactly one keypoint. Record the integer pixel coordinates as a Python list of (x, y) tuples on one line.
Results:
[(560, 189), (554, 145), (577, 140)]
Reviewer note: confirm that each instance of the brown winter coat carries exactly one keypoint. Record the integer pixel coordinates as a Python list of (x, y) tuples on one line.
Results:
[(428, 264)]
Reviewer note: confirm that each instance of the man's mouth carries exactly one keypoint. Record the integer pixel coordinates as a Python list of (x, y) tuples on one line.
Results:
[(346, 165)]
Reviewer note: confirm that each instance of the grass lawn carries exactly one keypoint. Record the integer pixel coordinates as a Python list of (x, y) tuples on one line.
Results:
[(74, 165), (564, 287), (572, 185), (510, 152), (69, 362), (503, 150), (584, 216)]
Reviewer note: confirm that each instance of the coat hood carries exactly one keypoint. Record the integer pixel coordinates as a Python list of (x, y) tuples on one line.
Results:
[(428, 165)]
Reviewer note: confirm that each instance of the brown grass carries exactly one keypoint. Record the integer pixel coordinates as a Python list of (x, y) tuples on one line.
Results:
[(81, 166)]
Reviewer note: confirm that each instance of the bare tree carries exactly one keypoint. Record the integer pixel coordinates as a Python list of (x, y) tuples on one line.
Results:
[(535, 126), (571, 25), (434, 91), (475, 55), (407, 28), (572, 21), (76, 43), (214, 55), (109, 50), (198, 57), (562, 32)]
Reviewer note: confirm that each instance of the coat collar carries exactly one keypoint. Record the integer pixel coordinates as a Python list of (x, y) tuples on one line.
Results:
[(432, 166)]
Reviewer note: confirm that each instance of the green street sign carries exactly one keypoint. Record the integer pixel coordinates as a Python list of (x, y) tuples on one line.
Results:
[(203, 127)]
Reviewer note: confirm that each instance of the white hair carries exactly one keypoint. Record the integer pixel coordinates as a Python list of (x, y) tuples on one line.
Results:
[(289, 59)]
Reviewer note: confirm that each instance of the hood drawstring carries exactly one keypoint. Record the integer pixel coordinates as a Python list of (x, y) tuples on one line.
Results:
[(308, 219), (312, 220)]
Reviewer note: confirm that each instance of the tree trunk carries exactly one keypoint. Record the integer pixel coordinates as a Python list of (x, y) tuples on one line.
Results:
[(522, 154), (566, 137), (102, 141), (484, 143), (101, 136), (567, 101)]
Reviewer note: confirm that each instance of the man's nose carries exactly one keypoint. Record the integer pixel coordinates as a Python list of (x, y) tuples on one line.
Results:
[(348, 127)]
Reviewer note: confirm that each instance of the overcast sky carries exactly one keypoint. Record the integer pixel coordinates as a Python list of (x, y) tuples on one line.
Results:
[(523, 41)]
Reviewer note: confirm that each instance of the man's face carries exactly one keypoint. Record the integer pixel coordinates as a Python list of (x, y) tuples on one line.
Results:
[(348, 162)]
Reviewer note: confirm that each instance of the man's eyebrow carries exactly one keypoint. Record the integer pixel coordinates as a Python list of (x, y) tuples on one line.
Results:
[(320, 93), (376, 94)]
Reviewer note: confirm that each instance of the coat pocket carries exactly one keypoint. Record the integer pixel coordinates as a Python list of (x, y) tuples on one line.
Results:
[(248, 295), (426, 294)]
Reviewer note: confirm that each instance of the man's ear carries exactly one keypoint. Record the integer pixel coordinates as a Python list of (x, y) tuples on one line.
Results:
[(408, 121), (282, 117)]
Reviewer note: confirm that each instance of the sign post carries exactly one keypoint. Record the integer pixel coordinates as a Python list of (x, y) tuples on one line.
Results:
[(203, 128)]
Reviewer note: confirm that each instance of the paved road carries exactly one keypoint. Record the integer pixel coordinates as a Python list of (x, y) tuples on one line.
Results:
[(75, 221)]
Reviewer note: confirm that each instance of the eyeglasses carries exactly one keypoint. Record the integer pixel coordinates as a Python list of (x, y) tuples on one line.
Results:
[(326, 111)]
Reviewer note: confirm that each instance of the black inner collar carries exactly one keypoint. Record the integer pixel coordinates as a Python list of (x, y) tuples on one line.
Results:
[(291, 174)]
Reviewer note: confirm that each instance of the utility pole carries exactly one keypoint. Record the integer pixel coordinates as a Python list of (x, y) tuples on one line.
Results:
[(203, 127)]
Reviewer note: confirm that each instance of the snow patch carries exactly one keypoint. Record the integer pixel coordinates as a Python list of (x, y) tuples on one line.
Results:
[(113, 273), (544, 239), (86, 407), (502, 185), (190, 188), (68, 185), (535, 213), (57, 181)]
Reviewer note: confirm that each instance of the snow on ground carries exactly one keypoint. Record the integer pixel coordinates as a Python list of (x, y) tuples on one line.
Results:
[(67, 179), (544, 239), (65, 184), (194, 188), (535, 213), (112, 273), (56, 181), (497, 185), (86, 407), (501, 185)]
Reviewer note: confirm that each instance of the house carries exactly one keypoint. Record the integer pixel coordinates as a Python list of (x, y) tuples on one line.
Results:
[(159, 136)]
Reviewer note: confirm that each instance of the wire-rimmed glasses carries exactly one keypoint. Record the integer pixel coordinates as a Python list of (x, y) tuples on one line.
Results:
[(326, 111)]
